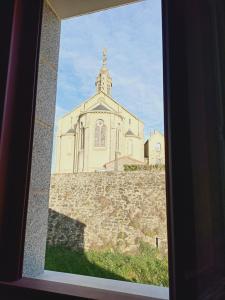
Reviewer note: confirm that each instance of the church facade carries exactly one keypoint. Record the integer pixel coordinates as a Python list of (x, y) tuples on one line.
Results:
[(99, 134)]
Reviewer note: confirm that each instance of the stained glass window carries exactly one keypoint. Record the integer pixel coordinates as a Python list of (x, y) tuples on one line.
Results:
[(100, 134)]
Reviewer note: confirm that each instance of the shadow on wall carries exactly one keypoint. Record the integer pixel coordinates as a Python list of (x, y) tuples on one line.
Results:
[(64, 234), (65, 231)]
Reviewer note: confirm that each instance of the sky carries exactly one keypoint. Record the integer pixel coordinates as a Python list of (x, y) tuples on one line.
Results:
[(132, 35)]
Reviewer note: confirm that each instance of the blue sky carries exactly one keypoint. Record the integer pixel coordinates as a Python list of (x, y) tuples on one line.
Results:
[(133, 38)]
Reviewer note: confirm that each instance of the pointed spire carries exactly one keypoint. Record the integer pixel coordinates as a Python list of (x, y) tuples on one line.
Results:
[(104, 81)]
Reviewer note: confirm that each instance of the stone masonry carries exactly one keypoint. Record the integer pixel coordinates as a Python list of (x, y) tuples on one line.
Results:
[(108, 211)]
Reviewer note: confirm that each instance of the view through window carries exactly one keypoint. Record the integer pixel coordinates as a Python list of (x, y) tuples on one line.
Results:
[(107, 203)]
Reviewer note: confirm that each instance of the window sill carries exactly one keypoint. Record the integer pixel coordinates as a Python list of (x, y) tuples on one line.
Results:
[(86, 287), (101, 288)]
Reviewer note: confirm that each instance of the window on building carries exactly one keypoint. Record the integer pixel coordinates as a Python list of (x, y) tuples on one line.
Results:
[(158, 147), (82, 136), (100, 134), (130, 147)]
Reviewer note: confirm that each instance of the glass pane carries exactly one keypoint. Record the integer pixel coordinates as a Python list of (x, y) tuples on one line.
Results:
[(107, 203)]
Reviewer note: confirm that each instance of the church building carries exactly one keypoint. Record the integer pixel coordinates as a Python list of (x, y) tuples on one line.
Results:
[(100, 134)]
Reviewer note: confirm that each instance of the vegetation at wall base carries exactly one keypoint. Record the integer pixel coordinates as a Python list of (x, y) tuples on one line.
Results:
[(148, 266), (130, 168)]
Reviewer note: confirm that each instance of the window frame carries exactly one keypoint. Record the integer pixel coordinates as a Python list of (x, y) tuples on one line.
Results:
[(20, 22)]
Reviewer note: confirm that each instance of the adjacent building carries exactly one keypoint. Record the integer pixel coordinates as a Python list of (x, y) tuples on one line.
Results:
[(155, 149)]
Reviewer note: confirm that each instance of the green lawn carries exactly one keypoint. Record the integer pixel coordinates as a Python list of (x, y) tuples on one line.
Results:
[(147, 266)]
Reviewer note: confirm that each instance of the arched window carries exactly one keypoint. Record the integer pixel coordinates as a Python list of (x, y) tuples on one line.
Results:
[(82, 136), (130, 147), (100, 134), (158, 147), (118, 138)]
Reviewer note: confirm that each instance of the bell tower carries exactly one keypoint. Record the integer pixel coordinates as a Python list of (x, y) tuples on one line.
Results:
[(104, 81)]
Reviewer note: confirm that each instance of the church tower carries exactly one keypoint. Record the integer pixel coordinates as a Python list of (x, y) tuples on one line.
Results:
[(104, 81)]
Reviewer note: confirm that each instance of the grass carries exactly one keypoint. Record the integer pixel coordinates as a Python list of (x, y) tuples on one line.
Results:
[(147, 266)]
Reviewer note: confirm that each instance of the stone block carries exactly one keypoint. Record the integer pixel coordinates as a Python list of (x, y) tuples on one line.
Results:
[(41, 157), (36, 232), (46, 94), (36, 229), (50, 37)]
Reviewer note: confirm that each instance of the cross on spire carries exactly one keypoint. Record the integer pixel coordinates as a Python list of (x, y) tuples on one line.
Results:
[(104, 57)]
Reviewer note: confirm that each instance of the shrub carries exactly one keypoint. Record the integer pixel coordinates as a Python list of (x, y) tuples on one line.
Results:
[(130, 168)]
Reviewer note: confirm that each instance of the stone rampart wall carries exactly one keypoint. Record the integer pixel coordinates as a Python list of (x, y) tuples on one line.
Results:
[(108, 210)]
